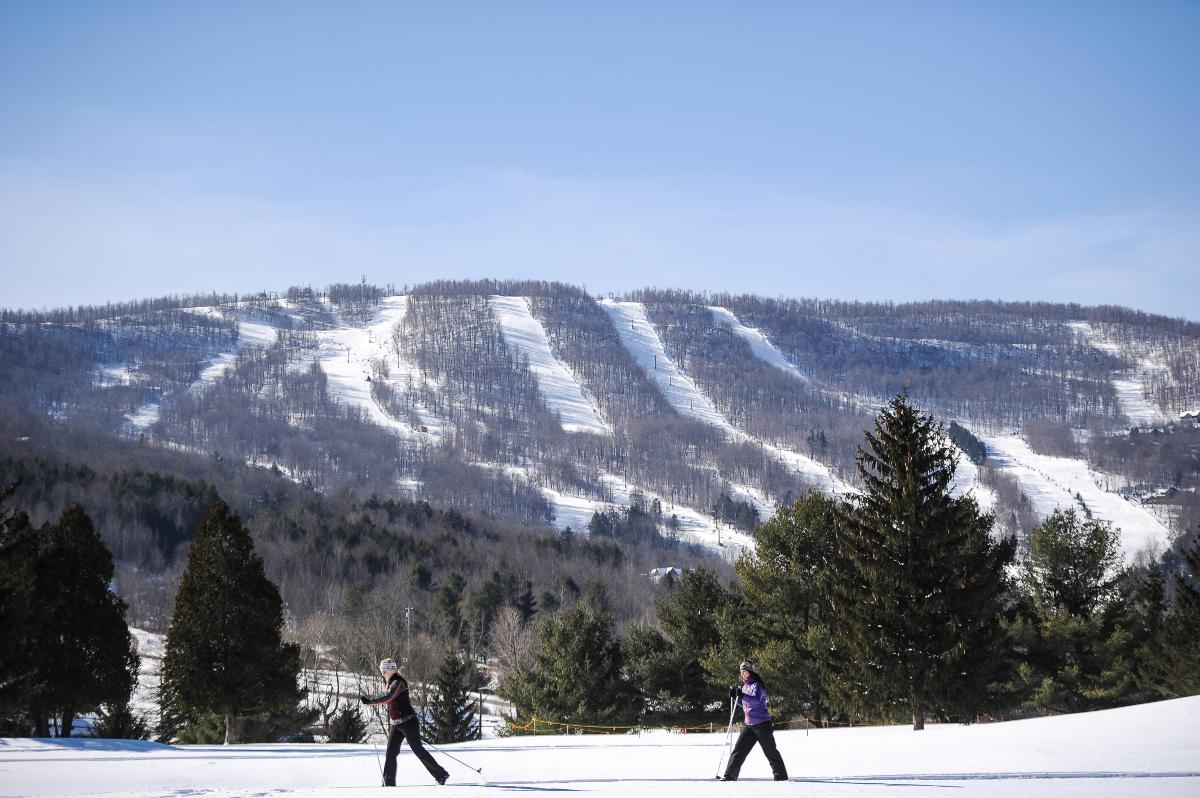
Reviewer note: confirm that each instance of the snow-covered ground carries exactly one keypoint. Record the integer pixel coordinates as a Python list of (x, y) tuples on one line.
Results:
[(524, 335), (1053, 482), (642, 340), (1147, 750), (695, 526)]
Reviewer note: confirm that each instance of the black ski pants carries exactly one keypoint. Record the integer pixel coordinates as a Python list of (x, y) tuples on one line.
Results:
[(764, 735), (408, 730)]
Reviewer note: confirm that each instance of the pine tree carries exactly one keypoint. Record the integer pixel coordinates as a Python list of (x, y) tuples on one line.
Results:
[(452, 712), (785, 582), (347, 726), (575, 672), (224, 650), (917, 590), (1176, 671), (666, 667), (72, 650), (1076, 626), (1073, 565)]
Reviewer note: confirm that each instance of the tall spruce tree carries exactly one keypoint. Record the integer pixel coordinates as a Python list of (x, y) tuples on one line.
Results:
[(452, 717), (224, 650), (917, 590), (67, 648)]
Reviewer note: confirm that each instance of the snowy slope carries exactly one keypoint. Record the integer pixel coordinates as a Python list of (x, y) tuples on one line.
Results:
[(1052, 482), (646, 347), (762, 347), (1130, 388), (1147, 750), (524, 335), (575, 511), (250, 335), (348, 354), (966, 480), (644, 344)]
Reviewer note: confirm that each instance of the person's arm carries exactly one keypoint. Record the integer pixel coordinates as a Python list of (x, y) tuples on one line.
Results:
[(397, 687), (754, 697)]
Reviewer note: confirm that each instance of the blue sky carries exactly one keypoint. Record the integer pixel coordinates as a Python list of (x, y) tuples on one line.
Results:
[(854, 150)]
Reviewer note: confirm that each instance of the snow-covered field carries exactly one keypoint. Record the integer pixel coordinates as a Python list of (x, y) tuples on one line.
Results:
[(524, 335), (1147, 750)]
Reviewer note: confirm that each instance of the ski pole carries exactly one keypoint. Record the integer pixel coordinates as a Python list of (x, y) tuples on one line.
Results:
[(452, 756), (728, 734), (375, 745)]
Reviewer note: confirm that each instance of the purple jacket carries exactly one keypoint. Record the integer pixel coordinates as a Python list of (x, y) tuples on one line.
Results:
[(754, 703)]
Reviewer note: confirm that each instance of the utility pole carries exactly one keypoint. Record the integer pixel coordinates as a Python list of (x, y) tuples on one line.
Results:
[(407, 633)]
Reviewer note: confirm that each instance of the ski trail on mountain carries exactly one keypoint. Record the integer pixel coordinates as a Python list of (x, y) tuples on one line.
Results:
[(348, 355), (1052, 483), (1131, 393), (641, 339), (251, 335), (759, 344), (524, 335)]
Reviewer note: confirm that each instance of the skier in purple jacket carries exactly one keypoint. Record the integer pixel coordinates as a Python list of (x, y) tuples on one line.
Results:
[(752, 696)]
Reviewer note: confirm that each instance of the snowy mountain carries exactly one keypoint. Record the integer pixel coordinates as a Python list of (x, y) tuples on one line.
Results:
[(539, 403)]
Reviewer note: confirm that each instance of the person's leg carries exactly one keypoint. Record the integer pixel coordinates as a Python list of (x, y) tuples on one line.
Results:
[(741, 748), (395, 738), (766, 738), (412, 730)]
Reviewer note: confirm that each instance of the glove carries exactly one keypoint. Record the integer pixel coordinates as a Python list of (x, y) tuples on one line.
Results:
[(734, 692)]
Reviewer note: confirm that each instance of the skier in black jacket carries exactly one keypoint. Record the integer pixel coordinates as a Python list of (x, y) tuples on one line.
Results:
[(404, 725)]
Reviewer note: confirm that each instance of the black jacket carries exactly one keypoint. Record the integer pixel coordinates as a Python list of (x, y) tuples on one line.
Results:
[(400, 709)]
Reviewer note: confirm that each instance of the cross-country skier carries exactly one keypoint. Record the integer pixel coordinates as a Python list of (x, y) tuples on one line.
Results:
[(404, 725), (752, 696)]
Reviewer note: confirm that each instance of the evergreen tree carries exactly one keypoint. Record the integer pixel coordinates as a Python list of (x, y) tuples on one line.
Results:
[(785, 582), (575, 672), (917, 591), (118, 722), (347, 726), (22, 701), (1175, 670), (526, 603), (1075, 624), (448, 601), (224, 651), (452, 713), (1073, 565), (666, 666), (71, 650)]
